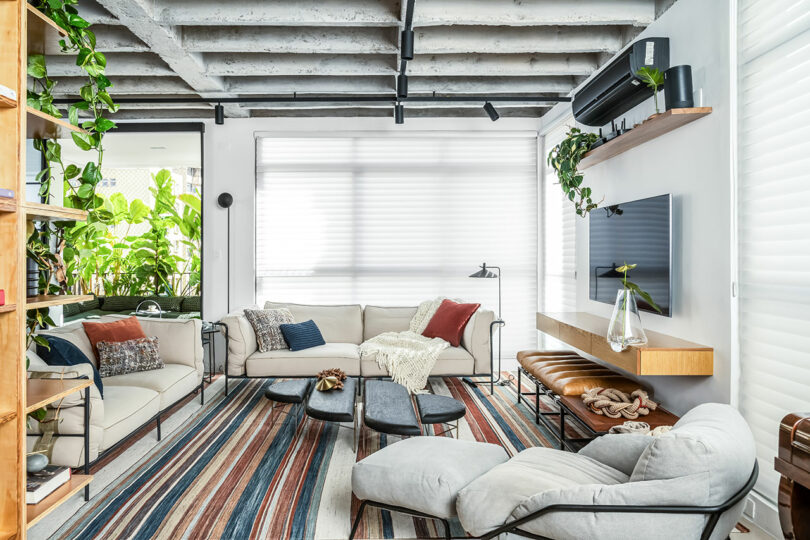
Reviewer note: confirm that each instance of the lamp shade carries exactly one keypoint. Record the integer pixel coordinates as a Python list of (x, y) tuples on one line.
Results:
[(484, 273)]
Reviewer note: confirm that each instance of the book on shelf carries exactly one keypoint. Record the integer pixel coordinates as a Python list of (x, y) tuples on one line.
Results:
[(40, 485), (7, 193)]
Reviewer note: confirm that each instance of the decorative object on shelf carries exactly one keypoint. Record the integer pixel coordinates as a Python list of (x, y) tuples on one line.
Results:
[(678, 87), (41, 484), (486, 273), (564, 158), (639, 428), (6, 193), (654, 79), (614, 403), (2, 297), (7, 92), (35, 462), (625, 328), (330, 379)]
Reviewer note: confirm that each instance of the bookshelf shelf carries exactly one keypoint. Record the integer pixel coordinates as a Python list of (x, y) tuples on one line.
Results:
[(8, 205), (48, 212), (44, 126), (36, 512), (8, 308), (7, 103)]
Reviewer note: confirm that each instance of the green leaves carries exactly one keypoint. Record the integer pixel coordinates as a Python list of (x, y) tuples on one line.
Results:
[(647, 298), (564, 159), (652, 77), (36, 66)]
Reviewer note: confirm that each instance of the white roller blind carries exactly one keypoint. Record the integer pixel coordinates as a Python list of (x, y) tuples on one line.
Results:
[(774, 223), (378, 219)]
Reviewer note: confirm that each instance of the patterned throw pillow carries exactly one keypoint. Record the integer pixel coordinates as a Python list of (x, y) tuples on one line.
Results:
[(265, 323), (120, 357)]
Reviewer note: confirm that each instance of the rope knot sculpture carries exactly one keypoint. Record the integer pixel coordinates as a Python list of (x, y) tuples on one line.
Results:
[(615, 403)]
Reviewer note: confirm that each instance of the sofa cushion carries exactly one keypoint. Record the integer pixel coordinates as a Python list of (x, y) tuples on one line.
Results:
[(126, 408), (378, 320), (191, 303), (449, 321), (304, 335), (172, 382), (338, 324), (286, 363), (120, 303), (120, 330), (179, 340), (166, 303), (74, 333), (119, 357), (266, 323), (424, 473), (532, 471), (62, 352), (451, 361)]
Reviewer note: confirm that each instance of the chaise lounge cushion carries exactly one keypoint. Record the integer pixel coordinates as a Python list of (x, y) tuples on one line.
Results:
[(172, 382), (126, 408), (532, 471), (423, 473), (451, 361), (308, 362)]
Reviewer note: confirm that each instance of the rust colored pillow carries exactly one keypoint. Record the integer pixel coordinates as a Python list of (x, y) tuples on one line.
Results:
[(449, 321), (123, 330)]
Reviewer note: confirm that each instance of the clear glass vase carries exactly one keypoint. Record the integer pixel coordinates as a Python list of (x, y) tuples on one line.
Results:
[(625, 325)]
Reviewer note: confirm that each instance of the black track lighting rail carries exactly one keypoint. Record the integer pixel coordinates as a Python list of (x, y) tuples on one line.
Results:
[(385, 99)]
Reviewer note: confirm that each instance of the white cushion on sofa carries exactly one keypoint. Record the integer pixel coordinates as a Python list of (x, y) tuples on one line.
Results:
[(174, 337), (451, 361), (172, 382), (284, 362), (338, 324), (126, 408), (377, 320)]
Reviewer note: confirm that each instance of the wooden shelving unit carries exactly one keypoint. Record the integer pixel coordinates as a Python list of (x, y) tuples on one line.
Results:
[(52, 300), (663, 354), (647, 131), (36, 512), (42, 392), (8, 205), (45, 126), (7, 103), (46, 212), (40, 31), (8, 308), (7, 416)]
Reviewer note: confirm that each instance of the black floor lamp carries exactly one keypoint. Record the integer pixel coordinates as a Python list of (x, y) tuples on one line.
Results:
[(486, 273), (225, 200)]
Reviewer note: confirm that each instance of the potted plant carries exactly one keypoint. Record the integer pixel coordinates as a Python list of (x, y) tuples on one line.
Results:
[(565, 158), (654, 79), (625, 328)]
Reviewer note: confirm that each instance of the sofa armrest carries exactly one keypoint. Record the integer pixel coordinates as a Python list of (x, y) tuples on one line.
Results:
[(476, 339), (241, 341), (620, 451)]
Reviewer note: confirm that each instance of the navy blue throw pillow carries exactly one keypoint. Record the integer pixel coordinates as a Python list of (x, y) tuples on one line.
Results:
[(65, 353), (302, 336)]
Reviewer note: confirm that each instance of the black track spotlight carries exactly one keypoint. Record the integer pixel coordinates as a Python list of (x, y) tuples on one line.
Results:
[(407, 45), (219, 114), (402, 85), (493, 114), (399, 113)]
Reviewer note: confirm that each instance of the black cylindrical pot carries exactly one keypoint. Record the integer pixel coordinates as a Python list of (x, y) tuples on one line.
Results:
[(678, 87), (31, 277)]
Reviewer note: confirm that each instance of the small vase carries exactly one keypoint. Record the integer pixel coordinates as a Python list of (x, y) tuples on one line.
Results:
[(625, 324)]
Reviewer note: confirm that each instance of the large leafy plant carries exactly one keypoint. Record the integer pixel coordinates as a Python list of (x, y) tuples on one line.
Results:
[(564, 159)]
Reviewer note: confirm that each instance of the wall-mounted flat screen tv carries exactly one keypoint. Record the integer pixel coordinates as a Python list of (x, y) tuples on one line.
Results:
[(636, 232)]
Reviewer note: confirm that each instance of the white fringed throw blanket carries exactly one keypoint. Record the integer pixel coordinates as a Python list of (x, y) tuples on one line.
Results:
[(408, 356)]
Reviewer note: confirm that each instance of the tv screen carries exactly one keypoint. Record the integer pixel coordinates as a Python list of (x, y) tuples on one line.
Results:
[(636, 232)]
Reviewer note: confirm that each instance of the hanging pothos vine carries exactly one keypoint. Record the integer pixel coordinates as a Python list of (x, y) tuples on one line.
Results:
[(78, 183), (564, 159)]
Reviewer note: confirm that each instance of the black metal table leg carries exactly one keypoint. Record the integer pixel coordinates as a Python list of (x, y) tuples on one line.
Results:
[(562, 426), (518, 386), (87, 440)]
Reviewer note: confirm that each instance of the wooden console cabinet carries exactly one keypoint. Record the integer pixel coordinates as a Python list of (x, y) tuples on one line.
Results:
[(663, 355)]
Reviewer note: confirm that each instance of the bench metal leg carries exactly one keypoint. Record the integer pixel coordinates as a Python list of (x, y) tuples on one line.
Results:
[(357, 519), (158, 426)]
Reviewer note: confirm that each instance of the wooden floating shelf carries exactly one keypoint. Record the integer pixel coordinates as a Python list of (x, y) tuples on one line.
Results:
[(647, 131), (7, 103), (8, 205), (42, 392), (35, 512), (663, 355), (44, 126), (51, 300), (48, 212), (7, 416), (8, 308), (41, 30)]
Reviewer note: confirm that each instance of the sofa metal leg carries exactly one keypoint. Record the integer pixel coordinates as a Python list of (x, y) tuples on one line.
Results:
[(446, 528), (158, 427), (537, 404), (202, 392), (357, 519), (226, 384), (518, 387)]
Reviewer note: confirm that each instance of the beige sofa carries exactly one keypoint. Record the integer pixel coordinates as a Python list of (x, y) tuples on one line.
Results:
[(130, 401), (344, 328)]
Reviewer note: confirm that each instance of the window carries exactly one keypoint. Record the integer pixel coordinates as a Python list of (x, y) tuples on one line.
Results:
[(773, 223), (394, 220)]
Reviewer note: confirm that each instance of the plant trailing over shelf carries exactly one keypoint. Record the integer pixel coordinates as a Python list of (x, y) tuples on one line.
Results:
[(565, 158), (654, 79)]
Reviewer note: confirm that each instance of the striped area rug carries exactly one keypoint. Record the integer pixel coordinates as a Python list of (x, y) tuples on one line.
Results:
[(231, 472)]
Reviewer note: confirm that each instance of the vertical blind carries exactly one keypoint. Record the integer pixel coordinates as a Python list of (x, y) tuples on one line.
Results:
[(773, 222), (378, 219)]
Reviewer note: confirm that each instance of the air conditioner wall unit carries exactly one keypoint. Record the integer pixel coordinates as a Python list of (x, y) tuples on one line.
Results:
[(616, 89)]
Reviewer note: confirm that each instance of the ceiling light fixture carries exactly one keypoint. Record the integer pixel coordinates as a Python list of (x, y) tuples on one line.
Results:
[(493, 114), (399, 113), (407, 45), (402, 85), (219, 114)]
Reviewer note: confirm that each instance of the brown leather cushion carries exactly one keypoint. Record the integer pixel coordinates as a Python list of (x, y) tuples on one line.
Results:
[(547, 372), (533, 365), (578, 385), (529, 361), (522, 354), (550, 378)]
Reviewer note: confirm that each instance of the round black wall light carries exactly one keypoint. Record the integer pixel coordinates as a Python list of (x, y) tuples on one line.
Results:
[(225, 200)]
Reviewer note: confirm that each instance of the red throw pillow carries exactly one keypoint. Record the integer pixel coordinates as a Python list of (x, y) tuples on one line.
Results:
[(449, 321), (122, 330)]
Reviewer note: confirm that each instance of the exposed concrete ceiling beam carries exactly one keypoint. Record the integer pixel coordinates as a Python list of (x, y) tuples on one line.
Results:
[(496, 65), (69, 86), (410, 112), (534, 12), (290, 40), (310, 85), (93, 13), (118, 64), (264, 13), (108, 39), (500, 40), (263, 64), (164, 41), (337, 104), (487, 85)]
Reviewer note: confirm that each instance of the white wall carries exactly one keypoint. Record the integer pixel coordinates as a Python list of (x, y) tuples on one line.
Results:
[(230, 166)]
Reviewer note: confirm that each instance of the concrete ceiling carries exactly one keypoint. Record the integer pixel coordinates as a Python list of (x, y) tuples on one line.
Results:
[(214, 49)]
